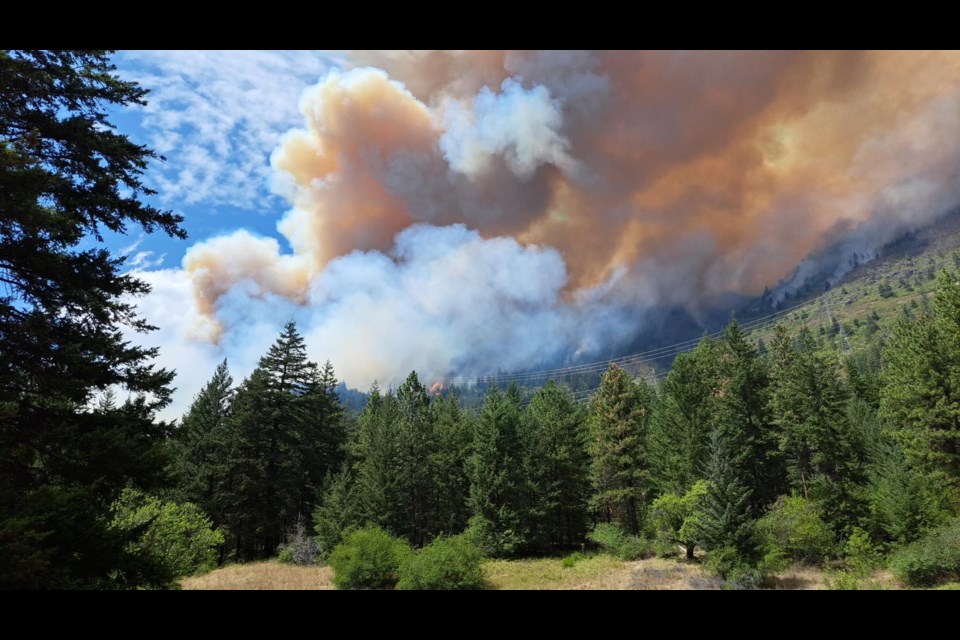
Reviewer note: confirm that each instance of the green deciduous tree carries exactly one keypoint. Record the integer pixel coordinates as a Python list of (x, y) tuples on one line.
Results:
[(678, 519), (179, 537), (65, 178)]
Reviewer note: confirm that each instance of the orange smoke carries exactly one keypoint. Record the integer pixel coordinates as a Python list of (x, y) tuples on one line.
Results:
[(696, 173)]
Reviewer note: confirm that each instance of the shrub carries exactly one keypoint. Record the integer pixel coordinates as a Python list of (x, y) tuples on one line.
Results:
[(570, 561), (736, 571), (179, 536), (793, 530), (493, 542), (368, 558), (861, 555), (446, 563), (842, 581), (932, 559), (299, 548), (614, 541)]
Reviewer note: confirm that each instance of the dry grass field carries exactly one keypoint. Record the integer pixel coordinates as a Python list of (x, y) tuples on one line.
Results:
[(263, 575), (593, 572)]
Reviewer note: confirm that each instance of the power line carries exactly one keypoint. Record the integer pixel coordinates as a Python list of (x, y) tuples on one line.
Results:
[(651, 356)]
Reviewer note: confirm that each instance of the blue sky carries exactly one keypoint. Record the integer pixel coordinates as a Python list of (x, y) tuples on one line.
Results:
[(216, 116)]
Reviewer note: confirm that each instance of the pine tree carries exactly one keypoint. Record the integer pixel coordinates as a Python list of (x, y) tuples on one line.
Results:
[(682, 421), (195, 446), (284, 435), (494, 468), (727, 518), (416, 491), (448, 464), (65, 176), (556, 467), (921, 393), (742, 417), (376, 450), (619, 468), (809, 404), (337, 510)]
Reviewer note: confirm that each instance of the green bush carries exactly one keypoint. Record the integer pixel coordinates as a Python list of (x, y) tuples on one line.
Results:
[(178, 536), (493, 542), (570, 561), (368, 558), (932, 559), (861, 555), (737, 571), (792, 530), (614, 541), (842, 581), (448, 563)]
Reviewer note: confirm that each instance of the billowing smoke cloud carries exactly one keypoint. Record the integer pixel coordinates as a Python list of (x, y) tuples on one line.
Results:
[(464, 211)]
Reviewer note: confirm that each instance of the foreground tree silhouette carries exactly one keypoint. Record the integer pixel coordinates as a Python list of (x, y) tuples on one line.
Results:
[(65, 177)]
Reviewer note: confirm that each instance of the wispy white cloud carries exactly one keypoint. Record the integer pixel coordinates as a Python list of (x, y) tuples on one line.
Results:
[(217, 115)]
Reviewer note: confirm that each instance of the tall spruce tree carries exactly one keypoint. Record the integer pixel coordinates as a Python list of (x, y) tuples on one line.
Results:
[(66, 176), (808, 403), (196, 449), (556, 468), (921, 393), (376, 450), (680, 427), (416, 491), (726, 521), (742, 418), (619, 466), (494, 468), (284, 435), (448, 463), (241, 502)]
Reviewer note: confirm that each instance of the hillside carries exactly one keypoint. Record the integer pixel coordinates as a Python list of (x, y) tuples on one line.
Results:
[(862, 306)]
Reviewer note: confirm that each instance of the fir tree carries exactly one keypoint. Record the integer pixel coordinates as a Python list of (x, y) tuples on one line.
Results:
[(726, 520), (448, 464), (196, 446), (921, 393), (66, 176), (619, 468), (742, 418), (494, 468), (556, 467), (681, 423), (809, 404)]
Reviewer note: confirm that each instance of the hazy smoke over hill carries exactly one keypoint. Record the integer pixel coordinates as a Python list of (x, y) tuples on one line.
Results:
[(463, 211)]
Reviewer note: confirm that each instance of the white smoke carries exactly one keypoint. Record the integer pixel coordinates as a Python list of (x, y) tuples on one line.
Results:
[(522, 126)]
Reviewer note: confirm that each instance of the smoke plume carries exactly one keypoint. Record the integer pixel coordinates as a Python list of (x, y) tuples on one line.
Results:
[(459, 212)]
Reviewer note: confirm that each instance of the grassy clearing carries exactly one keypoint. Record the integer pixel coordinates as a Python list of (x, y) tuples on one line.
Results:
[(592, 572), (263, 575)]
